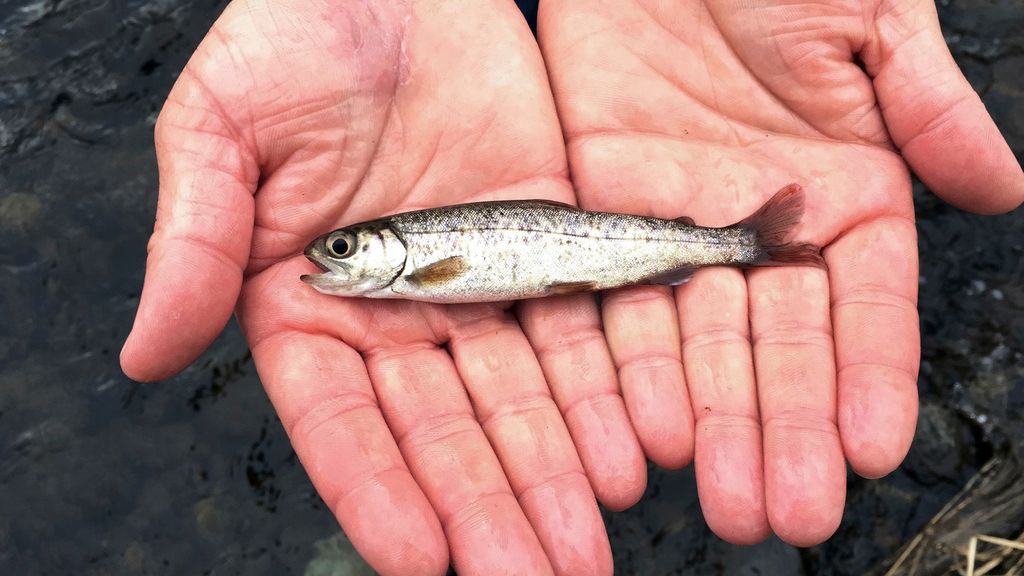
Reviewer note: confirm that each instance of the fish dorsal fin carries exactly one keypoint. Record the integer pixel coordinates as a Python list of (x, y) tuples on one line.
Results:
[(685, 221), (680, 275), (439, 272), (554, 203), (572, 287)]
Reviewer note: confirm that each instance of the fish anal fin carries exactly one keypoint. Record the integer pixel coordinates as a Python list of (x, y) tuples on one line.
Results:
[(685, 221), (439, 272), (680, 275), (572, 287)]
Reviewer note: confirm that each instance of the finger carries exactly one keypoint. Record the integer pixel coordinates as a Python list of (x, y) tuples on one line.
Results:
[(524, 426), (720, 375), (873, 278), (200, 245), (935, 117), (566, 335), (643, 337), (805, 475), (431, 417), (321, 392)]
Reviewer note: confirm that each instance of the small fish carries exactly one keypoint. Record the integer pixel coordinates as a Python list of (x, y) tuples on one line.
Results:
[(509, 250)]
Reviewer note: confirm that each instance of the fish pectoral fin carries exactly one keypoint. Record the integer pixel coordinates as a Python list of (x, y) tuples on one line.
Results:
[(572, 288), (680, 275), (439, 272), (685, 221)]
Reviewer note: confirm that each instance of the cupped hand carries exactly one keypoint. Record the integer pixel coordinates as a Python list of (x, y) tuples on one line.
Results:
[(434, 433), (704, 109)]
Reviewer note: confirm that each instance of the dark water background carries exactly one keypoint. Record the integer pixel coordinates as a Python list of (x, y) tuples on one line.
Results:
[(99, 475)]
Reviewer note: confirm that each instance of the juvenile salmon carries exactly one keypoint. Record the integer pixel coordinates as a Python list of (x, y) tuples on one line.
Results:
[(508, 250)]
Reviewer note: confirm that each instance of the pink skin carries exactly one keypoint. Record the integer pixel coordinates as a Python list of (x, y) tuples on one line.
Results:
[(480, 435), (704, 110), (435, 433)]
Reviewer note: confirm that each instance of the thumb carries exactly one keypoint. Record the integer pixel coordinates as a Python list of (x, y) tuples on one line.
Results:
[(934, 116), (200, 244)]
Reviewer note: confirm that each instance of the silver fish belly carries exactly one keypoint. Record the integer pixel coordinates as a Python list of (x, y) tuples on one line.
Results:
[(510, 250)]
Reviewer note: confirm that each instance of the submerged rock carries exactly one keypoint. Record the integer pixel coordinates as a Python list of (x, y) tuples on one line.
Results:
[(20, 213), (335, 556)]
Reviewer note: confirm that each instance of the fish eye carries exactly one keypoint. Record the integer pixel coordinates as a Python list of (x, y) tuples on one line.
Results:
[(340, 245)]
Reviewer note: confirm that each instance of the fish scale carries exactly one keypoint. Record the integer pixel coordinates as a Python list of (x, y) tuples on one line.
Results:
[(552, 217), (510, 250)]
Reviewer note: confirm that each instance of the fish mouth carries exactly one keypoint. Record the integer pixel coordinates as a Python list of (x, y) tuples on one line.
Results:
[(318, 264), (316, 279), (325, 281), (311, 254)]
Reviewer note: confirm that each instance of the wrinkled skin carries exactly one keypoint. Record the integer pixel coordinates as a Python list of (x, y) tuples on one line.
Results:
[(481, 434), (430, 431), (705, 109)]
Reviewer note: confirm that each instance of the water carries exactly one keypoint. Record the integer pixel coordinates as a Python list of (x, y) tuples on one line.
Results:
[(99, 475)]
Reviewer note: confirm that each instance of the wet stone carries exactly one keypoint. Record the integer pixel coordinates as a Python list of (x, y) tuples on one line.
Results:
[(20, 213), (134, 557), (942, 448), (335, 556), (1005, 98), (210, 520)]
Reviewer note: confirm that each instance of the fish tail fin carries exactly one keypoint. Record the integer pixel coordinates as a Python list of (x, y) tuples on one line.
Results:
[(775, 220), (794, 254), (774, 223)]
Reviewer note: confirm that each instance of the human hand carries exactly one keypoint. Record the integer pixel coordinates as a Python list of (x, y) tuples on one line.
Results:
[(425, 428), (704, 110)]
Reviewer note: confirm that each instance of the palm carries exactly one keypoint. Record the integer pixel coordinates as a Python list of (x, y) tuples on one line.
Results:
[(472, 427), (438, 417), (704, 110)]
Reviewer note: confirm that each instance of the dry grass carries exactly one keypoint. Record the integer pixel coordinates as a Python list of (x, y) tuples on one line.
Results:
[(1004, 558), (958, 540)]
